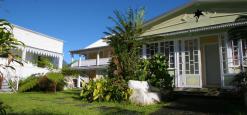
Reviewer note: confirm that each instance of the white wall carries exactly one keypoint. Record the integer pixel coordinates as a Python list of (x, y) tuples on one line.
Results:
[(38, 40)]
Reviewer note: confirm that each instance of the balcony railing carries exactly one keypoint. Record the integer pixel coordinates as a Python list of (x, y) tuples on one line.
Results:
[(91, 62)]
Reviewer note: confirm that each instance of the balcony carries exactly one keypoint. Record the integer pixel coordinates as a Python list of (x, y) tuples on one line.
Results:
[(91, 62)]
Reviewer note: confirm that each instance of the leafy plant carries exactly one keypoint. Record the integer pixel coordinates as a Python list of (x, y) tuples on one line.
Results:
[(154, 70), (143, 69), (159, 75), (105, 90)]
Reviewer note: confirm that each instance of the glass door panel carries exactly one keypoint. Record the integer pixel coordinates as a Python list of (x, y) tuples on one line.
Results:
[(188, 63)]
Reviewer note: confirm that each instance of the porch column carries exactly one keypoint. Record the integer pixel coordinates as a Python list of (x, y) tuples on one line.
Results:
[(60, 61), (79, 63), (97, 60), (241, 55), (23, 55), (79, 81), (144, 53)]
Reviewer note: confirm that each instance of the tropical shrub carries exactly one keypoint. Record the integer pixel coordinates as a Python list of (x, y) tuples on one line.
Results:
[(143, 70), (123, 38), (50, 82), (159, 75), (155, 71), (105, 90)]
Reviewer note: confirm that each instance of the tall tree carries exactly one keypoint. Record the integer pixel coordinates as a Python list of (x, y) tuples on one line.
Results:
[(123, 38)]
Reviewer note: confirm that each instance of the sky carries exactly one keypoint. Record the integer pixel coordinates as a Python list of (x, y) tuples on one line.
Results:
[(77, 22)]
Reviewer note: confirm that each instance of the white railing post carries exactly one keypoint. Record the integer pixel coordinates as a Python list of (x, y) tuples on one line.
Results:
[(97, 60), (78, 82)]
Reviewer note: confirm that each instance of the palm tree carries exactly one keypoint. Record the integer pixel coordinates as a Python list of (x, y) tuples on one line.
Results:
[(123, 38)]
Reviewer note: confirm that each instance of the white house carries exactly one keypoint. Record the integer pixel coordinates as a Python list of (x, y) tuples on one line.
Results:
[(195, 38), (37, 45)]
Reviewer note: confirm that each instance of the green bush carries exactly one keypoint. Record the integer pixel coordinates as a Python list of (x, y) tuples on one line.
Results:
[(28, 84), (105, 90), (159, 75), (155, 71), (49, 82)]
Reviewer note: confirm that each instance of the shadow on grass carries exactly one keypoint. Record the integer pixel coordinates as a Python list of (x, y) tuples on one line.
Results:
[(117, 111), (202, 105), (34, 112)]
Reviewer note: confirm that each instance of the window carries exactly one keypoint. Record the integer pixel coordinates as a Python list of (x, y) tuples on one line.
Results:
[(224, 54), (235, 52), (167, 49), (244, 47), (152, 49)]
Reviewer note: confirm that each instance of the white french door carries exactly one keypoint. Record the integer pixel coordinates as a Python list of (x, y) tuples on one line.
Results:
[(189, 74)]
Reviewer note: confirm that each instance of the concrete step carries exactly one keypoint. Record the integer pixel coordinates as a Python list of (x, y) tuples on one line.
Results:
[(5, 87), (5, 90)]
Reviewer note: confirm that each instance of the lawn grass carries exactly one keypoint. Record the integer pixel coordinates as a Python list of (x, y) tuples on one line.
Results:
[(66, 103), (69, 103)]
